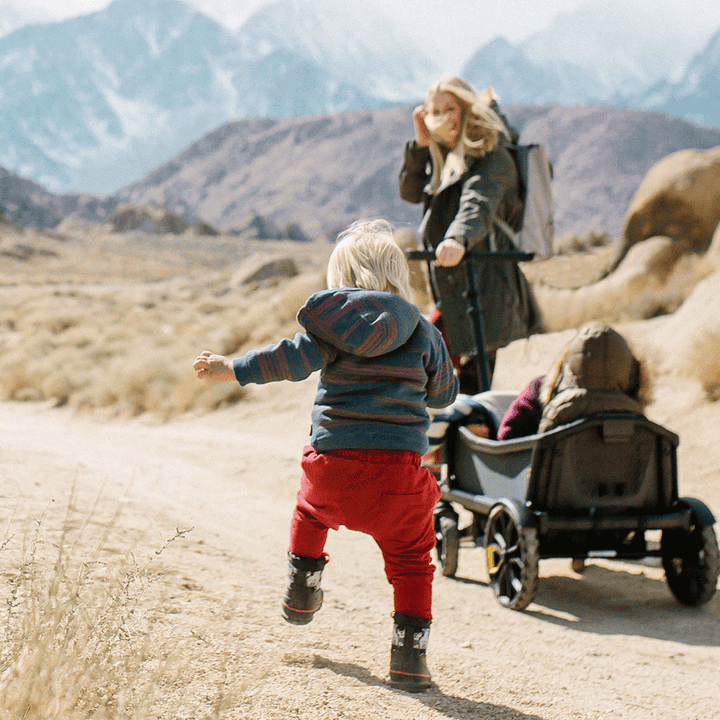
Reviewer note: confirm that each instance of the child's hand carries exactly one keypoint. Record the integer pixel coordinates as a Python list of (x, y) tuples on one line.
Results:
[(210, 366)]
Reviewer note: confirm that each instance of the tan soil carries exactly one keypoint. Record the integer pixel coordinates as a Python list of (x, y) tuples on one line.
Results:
[(612, 643)]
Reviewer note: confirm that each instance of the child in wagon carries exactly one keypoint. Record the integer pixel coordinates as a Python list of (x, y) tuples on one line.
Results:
[(381, 365)]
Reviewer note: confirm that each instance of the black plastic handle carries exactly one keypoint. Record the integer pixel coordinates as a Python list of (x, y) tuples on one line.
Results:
[(485, 257)]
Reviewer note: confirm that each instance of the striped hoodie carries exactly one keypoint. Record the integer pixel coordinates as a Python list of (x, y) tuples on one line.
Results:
[(381, 364)]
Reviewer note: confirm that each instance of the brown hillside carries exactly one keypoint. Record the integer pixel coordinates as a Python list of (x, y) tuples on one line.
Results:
[(322, 172)]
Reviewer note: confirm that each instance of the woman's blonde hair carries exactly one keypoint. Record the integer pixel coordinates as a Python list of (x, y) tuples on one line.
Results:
[(367, 256), (480, 131)]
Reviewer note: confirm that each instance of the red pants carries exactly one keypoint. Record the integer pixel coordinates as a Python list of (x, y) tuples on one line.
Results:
[(383, 493)]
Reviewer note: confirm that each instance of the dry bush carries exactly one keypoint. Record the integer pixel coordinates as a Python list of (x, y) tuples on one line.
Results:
[(704, 363), (291, 296), (77, 633), (128, 349)]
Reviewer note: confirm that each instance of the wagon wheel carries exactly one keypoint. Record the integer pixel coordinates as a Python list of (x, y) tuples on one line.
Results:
[(512, 552), (691, 563), (448, 544)]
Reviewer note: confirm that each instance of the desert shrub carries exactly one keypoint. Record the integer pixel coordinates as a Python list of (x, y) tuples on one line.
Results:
[(704, 363), (16, 383), (125, 347), (293, 293), (295, 232), (77, 630), (571, 243)]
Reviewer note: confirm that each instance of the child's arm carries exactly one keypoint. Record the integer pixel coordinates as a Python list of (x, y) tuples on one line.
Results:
[(442, 386), (287, 360), (210, 366)]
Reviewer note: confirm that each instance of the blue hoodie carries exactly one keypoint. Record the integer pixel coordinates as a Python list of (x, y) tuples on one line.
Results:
[(382, 363)]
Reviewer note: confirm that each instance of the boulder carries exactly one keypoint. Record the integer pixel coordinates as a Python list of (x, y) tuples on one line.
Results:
[(678, 198), (148, 219), (264, 270)]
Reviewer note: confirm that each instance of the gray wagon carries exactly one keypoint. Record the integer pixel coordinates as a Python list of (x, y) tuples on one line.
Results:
[(592, 488)]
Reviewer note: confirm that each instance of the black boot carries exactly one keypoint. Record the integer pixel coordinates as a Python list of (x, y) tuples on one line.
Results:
[(408, 666), (303, 596)]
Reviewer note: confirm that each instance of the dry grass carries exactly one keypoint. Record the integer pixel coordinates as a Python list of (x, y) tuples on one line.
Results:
[(704, 364), (79, 627), (109, 324)]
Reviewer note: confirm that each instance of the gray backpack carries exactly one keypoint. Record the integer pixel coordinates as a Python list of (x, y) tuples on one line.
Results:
[(536, 230)]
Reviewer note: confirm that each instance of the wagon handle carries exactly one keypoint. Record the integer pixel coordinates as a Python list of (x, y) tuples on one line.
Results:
[(492, 258), (474, 309)]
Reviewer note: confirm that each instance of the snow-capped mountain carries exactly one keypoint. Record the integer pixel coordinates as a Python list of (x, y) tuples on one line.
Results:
[(346, 40), (602, 39), (518, 80), (94, 102), (696, 96), (593, 54), (16, 13)]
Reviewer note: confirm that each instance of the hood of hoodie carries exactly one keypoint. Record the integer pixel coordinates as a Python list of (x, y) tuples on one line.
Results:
[(361, 322)]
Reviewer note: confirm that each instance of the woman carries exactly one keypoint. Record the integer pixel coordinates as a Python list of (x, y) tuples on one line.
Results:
[(460, 169)]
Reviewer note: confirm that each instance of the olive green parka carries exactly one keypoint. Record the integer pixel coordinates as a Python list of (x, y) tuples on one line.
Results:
[(462, 208)]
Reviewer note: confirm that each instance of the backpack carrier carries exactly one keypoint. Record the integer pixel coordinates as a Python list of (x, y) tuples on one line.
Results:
[(536, 231)]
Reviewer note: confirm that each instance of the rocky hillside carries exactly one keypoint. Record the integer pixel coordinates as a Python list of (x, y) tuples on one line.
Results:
[(319, 173), (301, 177)]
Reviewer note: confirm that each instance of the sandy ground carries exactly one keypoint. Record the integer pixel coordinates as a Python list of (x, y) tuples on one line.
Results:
[(612, 643)]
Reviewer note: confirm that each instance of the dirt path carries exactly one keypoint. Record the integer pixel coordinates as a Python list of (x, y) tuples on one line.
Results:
[(612, 643)]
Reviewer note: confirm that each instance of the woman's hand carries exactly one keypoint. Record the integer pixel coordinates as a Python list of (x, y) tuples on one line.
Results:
[(449, 253), (422, 134), (210, 366)]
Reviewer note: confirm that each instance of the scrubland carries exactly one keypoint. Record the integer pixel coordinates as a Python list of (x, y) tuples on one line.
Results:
[(106, 322), (143, 517), (110, 322)]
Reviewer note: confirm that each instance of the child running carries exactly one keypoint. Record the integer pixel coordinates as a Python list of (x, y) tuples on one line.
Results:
[(381, 365)]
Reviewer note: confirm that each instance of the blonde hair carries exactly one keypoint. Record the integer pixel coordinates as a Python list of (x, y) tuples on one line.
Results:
[(480, 131), (367, 256)]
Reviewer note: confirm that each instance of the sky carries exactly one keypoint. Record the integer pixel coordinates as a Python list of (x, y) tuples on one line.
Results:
[(450, 30)]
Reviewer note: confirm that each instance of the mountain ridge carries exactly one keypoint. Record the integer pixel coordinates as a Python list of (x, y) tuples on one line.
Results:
[(319, 173), (97, 101), (324, 172)]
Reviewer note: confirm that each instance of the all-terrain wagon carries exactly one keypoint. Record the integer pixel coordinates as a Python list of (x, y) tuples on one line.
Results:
[(601, 486), (596, 487)]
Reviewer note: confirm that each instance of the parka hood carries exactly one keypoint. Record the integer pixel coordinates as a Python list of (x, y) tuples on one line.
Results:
[(361, 322), (599, 358), (597, 372)]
